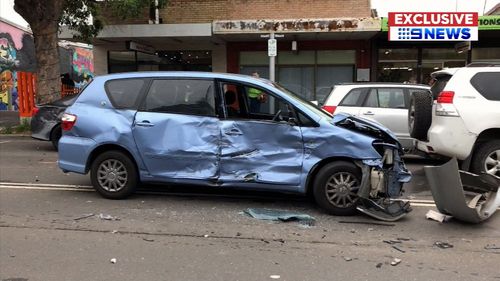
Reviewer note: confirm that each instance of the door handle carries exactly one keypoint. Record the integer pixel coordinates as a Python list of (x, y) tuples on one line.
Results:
[(144, 123), (233, 132), (368, 113)]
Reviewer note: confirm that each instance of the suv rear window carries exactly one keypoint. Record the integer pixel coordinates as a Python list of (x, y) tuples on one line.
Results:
[(439, 85), (487, 84), (123, 93)]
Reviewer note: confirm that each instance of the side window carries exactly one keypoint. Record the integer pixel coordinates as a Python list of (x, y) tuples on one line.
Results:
[(124, 93), (487, 84), (194, 97), (262, 105), (386, 98), (353, 98)]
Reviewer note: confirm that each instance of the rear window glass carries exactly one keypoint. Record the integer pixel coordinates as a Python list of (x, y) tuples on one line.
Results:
[(439, 85), (124, 93), (353, 98), (487, 84), (194, 97)]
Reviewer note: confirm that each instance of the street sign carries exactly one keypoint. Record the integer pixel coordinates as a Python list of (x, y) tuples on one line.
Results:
[(272, 47)]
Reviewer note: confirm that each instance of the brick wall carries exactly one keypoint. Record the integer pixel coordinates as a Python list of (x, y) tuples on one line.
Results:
[(200, 11)]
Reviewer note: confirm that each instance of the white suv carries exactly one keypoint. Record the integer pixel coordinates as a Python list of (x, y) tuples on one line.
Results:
[(462, 118), (385, 103)]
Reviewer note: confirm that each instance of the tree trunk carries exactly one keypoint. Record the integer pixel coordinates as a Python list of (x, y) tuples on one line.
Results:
[(43, 18)]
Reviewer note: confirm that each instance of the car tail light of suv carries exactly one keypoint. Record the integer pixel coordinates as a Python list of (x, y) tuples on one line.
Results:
[(329, 108), (68, 121), (444, 104)]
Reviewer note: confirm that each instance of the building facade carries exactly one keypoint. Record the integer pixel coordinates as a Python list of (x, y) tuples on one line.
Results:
[(319, 44)]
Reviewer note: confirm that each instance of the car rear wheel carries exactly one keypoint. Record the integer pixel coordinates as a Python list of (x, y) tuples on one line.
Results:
[(487, 158), (114, 175), (336, 186), (420, 115), (55, 135)]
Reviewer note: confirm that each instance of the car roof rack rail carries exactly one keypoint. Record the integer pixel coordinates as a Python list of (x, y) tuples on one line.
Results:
[(483, 64)]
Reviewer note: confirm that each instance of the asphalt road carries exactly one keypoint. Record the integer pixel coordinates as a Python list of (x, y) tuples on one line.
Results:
[(50, 230)]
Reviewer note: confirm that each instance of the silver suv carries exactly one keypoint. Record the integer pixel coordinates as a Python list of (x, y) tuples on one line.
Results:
[(385, 103)]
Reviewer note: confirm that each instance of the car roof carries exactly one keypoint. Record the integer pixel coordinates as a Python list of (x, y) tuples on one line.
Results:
[(383, 84), (182, 74)]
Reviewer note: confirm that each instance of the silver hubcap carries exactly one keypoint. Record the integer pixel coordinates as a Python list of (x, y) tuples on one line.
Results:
[(112, 175), (341, 189), (492, 163)]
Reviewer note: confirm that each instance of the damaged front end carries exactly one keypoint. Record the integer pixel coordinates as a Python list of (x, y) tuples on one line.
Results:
[(382, 179)]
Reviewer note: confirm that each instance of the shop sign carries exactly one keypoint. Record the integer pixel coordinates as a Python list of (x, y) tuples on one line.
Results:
[(134, 46), (433, 26)]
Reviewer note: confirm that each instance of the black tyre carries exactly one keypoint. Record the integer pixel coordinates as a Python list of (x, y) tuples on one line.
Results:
[(486, 159), (114, 175), (420, 115), (55, 135), (336, 186)]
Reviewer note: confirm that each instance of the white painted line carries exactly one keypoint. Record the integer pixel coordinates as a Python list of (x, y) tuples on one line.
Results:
[(44, 188), (4, 142), (44, 184), (47, 162)]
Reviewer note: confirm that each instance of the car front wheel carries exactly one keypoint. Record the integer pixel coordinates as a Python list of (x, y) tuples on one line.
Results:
[(487, 158), (336, 186), (113, 175)]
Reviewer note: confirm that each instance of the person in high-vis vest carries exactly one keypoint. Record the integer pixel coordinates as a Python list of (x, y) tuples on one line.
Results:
[(255, 96)]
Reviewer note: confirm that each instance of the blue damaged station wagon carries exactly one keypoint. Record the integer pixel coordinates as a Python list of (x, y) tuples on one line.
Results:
[(203, 129)]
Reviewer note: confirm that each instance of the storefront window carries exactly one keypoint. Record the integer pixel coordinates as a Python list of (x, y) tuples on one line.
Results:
[(486, 55), (162, 60), (397, 65), (121, 61), (311, 74), (436, 59)]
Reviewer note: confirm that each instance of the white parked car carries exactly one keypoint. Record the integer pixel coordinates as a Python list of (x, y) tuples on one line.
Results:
[(385, 103), (462, 117)]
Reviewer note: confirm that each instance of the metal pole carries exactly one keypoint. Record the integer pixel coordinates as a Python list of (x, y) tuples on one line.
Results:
[(272, 62)]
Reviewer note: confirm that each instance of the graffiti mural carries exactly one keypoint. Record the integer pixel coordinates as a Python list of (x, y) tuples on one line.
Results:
[(17, 53)]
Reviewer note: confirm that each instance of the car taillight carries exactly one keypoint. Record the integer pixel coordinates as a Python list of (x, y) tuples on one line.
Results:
[(329, 108), (34, 111), (68, 121), (444, 104), (446, 97)]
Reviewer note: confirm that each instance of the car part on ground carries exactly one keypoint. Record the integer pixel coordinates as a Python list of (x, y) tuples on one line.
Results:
[(465, 118), (175, 127), (465, 196)]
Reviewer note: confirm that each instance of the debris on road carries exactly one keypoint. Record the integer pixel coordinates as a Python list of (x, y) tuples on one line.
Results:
[(391, 242), (491, 247), (108, 217), (443, 245), (347, 258), (206, 235), (379, 265), (148, 239), (113, 260), (85, 216), (395, 262), (398, 249), (275, 277), (437, 216), (279, 215)]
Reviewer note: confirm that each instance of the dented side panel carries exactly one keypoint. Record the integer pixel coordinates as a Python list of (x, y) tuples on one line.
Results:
[(261, 152), (178, 146)]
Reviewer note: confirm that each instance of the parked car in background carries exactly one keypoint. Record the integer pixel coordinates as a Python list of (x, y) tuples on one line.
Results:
[(199, 128), (385, 103), (46, 120), (461, 118)]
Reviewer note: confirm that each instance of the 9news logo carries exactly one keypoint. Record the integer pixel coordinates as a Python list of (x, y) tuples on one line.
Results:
[(433, 27)]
